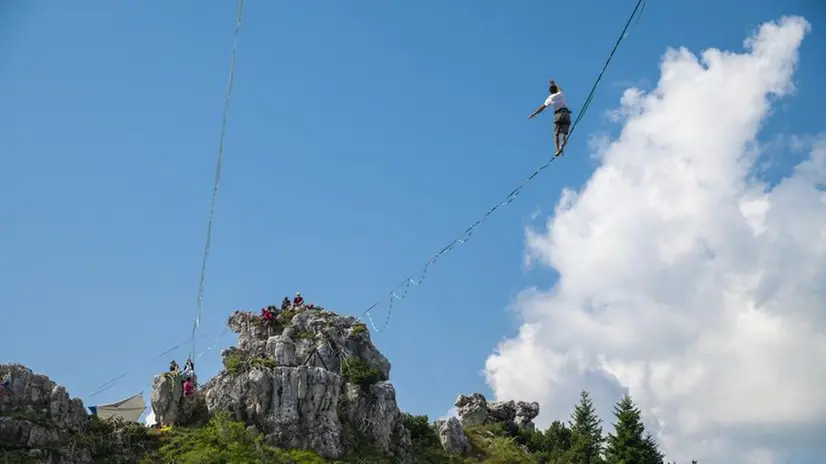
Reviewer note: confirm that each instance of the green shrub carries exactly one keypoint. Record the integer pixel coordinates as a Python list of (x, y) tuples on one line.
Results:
[(238, 362), (420, 429), (506, 451), (359, 328), (493, 443), (356, 371), (305, 335), (267, 363), (222, 441), (234, 362), (286, 316), (426, 445)]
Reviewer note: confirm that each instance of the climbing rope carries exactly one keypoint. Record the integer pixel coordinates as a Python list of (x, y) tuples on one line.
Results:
[(400, 291), (199, 304), (111, 382)]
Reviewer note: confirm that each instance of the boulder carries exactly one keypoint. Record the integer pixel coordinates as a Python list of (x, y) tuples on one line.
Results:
[(452, 436), (476, 410)]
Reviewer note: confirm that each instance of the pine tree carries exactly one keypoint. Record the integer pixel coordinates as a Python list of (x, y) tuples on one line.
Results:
[(651, 451), (626, 444), (586, 433), (558, 438)]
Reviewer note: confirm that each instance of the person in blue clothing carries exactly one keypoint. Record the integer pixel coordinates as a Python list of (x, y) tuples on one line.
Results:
[(562, 115)]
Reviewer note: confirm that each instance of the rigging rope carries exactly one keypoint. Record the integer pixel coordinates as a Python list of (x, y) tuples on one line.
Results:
[(400, 291), (198, 306), (111, 382)]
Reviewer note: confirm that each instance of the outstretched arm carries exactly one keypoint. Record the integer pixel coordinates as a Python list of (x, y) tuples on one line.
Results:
[(538, 110)]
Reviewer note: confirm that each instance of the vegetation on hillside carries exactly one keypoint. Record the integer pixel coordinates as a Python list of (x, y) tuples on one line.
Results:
[(223, 441)]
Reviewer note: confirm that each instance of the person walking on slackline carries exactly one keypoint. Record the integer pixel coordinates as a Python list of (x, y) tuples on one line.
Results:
[(562, 115)]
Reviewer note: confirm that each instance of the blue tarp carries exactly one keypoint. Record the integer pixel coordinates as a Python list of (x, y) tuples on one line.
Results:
[(94, 410)]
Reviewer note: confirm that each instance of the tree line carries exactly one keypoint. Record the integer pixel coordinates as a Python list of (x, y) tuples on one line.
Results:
[(582, 439)]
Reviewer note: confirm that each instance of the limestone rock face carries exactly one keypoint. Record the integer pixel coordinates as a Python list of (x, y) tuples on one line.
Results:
[(169, 404), (40, 422), (376, 415), (473, 409), (526, 413), (37, 416), (310, 379), (452, 436), (476, 410), (303, 413)]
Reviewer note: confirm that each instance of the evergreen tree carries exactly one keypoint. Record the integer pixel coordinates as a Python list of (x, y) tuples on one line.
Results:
[(586, 433), (651, 451), (558, 438), (626, 444)]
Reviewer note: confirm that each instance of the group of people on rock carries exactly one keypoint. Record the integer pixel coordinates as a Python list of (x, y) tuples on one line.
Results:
[(269, 313), (187, 382)]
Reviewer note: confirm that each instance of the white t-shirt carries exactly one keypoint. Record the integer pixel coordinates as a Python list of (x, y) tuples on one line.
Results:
[(557, 100)]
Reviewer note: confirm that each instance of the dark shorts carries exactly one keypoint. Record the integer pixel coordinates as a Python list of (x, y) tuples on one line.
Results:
[(562, 121)]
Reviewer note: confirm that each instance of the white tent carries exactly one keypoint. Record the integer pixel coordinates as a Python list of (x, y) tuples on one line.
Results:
[(129, 409)]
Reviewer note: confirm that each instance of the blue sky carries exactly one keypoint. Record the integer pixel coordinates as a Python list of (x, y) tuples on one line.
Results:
[(362, 137)]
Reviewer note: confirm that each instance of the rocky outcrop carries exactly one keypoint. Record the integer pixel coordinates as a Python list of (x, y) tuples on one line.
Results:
[(169, 404), (476, 410), (38, 418), (309, 379), (452, 436), (525, 414), (40, 422), (375, 414), (295, 407)]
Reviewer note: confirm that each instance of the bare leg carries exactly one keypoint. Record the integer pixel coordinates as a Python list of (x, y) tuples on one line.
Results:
[(556, 142)]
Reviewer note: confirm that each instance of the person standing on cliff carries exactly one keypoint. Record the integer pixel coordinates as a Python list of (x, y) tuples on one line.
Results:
[(189, 367)]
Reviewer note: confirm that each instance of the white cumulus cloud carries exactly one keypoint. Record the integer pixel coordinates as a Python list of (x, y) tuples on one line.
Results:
[(686, 280), (149, 420)]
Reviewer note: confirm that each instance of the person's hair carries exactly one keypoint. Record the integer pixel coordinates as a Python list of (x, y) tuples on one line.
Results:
[(553, 88)]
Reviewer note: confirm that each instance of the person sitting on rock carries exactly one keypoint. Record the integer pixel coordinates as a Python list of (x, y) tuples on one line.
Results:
[(173, 367), (285, 304), (189, 387), (298, 300), (267, 314)]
